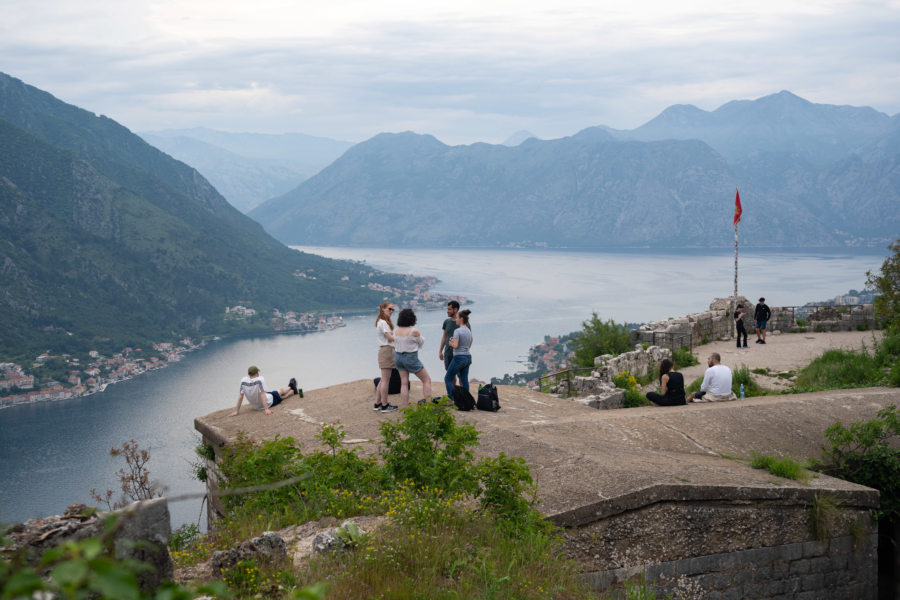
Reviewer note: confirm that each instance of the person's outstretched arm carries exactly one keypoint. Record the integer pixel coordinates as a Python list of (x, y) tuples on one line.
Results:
[(238, 409)]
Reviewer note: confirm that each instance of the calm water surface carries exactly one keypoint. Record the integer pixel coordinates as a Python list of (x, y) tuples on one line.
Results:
[(52, 454)]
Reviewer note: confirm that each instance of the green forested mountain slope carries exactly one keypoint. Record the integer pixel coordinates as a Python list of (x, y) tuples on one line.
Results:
[(106, 238)]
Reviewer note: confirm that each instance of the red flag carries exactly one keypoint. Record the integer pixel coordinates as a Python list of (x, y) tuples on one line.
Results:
[(737, 206)]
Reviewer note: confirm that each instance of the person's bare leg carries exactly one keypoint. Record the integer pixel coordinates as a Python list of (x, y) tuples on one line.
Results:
[(426, 382), (381, 392), (404, 388)]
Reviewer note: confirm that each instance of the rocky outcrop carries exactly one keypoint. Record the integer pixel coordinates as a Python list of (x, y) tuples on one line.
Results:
[(268, 548), (142, 533)]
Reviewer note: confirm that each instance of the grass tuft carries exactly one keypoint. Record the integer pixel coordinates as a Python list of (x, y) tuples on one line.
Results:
[(780, 467)]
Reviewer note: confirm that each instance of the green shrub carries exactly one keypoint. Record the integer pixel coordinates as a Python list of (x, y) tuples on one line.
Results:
[(683, 357), (600, 337), (781, 467), (866, 452), (751, 388), (634, 398), (801, 322), (429, 448), (183, 536), (507, 490), (840, 368)]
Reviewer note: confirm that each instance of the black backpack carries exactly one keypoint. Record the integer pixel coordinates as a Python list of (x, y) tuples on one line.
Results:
[(488, 398), (462, 398), (393, 383)]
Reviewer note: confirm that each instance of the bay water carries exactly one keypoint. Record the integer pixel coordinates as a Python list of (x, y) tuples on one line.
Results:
[(52, 454)]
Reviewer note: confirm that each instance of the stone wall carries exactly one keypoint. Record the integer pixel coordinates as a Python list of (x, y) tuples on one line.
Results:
[(716, 543), (841, 318), (716, 323), (840, 569), (597, 390)]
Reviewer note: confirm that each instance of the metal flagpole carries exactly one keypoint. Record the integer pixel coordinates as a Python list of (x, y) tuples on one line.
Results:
[(737, 218)]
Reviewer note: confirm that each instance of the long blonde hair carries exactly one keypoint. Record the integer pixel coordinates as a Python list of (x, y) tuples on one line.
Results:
[(383, 314)]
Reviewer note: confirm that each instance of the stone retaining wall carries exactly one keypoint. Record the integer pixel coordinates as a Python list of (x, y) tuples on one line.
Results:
[(717, 544), (717, 324), (839, 569), (597, 390)]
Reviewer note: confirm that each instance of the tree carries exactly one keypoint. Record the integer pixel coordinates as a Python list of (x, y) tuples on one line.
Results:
[(135, 482), (887, 282), (600, 337)]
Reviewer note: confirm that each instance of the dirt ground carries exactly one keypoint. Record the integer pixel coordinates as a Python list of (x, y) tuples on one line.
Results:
[(781, 354)]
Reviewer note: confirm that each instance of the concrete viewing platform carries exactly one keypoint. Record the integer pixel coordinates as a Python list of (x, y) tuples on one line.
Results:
[(587, 461), (662, 493)]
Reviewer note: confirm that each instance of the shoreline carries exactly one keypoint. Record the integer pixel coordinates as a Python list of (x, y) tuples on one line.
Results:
[(179, 353)]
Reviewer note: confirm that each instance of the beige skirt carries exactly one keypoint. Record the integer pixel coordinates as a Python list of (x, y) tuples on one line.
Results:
[(386, 357)]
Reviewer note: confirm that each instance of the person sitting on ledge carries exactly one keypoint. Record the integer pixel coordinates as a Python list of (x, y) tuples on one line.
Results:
[(253, 387), (716, 386), (671, 385)]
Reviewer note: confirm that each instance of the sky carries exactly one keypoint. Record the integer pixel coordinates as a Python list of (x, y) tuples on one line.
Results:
[(463, 71)]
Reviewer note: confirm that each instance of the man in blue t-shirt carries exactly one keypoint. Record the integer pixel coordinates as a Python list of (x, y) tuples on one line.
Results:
[(445, 352)]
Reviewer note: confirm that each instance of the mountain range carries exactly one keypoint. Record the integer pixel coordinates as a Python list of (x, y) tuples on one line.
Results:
[(809, 174), (106, 241), (248, 168)]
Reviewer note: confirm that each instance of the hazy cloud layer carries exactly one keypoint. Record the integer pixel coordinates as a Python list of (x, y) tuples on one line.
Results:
[(468, 72)]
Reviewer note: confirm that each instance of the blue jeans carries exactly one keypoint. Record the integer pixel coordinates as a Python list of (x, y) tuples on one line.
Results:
[(459, 366)]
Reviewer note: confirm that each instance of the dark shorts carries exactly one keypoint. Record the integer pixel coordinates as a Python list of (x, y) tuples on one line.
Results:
[(276, 398), (761, 324)]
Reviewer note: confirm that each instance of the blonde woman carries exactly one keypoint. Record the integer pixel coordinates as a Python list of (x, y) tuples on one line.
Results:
[(385, 338)]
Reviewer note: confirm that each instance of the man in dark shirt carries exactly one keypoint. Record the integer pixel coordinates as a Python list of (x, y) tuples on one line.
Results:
[(761, 316), (445, 352)]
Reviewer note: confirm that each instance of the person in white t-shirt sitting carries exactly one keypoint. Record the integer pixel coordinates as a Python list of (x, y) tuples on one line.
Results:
[(716, 386), (253, 388)]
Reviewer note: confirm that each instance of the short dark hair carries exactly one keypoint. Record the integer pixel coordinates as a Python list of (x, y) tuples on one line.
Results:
[(406, 318), (454, 304), (762, 299)]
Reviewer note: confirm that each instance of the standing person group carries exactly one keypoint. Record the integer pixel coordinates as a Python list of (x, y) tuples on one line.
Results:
[(398, 347), (761, 315)]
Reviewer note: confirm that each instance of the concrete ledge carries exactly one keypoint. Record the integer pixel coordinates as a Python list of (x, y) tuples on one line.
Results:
[(861, 497)]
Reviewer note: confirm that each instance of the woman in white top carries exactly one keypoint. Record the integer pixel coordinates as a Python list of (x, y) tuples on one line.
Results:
[(407, 342), (385, 336)]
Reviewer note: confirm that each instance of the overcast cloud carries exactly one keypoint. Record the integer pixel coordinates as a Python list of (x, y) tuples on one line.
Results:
[(474, 70)]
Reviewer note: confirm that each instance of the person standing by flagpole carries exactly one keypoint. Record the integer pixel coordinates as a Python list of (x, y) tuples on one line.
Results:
[(737, 218)]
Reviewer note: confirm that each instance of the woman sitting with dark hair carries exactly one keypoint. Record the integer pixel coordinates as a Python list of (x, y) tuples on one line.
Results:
[(671, 384), (407, 342)]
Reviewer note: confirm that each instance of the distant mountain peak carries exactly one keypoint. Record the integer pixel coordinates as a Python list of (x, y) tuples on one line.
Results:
[(518, 137)]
